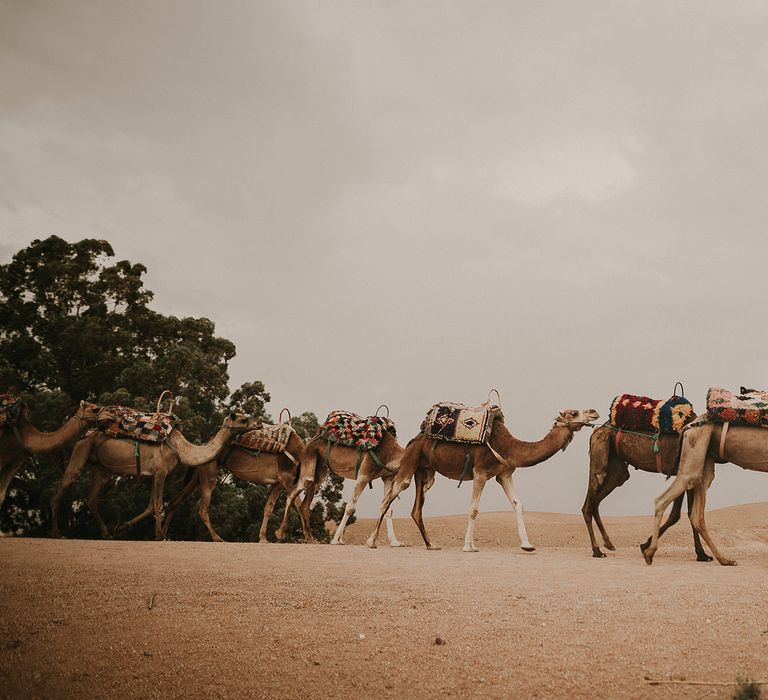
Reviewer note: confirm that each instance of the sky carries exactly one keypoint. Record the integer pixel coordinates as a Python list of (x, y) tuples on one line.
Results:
[(405, 203)]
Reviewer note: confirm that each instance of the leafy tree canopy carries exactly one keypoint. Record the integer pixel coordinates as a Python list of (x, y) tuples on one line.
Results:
[(76, 325)]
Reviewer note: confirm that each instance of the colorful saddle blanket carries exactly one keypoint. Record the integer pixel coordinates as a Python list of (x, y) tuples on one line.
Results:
[(136, 425), (349, 429), (750, 407), (10, 409), (630, 412), (456, 422), (268, 438)]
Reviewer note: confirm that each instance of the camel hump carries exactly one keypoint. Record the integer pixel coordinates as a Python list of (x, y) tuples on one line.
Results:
[(132, 424), (642, 413), (750, 407), (352, 430), (456, 422)]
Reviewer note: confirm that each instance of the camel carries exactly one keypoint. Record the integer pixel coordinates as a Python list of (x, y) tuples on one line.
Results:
[(319, 456), (608, 469), (116, 457), (498, 458), (704, 445), (23, 439), (278, 471)]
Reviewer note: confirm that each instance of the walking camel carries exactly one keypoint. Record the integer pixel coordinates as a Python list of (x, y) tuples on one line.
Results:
[(497, 459), (277, 471), (20, 439), (704, 445), (117, 457), (321, 455), (609, 459)]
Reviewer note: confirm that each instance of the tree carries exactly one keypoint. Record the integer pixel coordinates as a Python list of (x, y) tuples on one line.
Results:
[(74, 325)]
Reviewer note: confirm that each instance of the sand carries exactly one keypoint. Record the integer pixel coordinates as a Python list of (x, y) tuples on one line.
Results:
[(290, 621)]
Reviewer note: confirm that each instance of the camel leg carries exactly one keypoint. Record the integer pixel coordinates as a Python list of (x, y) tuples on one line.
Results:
[(478, 484), (158, 496), (178, 499), (674, 516), (149, 510), (388, 481), (309, 477), (701, 554), (6, 476), (420, 484), (690, 471), (99, 479), (273, 492), (305, 512), (80, 454), (360, 484), (699, 502), (207, 484), (398, 486), (620, 475), (509, 489)]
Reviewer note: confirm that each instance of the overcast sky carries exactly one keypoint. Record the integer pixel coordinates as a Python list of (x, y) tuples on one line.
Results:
[(402, 203)]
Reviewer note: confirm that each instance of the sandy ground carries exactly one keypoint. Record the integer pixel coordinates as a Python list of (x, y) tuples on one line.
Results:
[(234, 620)]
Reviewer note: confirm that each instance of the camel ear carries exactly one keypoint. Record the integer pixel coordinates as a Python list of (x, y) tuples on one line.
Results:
[(82, 404)]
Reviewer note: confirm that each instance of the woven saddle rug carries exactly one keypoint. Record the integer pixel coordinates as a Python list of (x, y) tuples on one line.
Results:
[(456, 422), (132, 424), (10, 410), (350, 430), (750, 407), (267, 438), (629, 412)]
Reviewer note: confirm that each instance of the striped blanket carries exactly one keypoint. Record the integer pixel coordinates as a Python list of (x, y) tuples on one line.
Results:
[(455, 422), (749, 407), (351, 430)]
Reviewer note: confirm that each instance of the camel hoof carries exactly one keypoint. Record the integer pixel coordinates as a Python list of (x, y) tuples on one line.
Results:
[(338, 542), (279, 536), (470, 548), (648, 556), (397, 544), (703, 557), (610, 547), (644, 546), (597, 554), (528, 549), (730, 562), (371, 543), (435, 548), (57, 536)]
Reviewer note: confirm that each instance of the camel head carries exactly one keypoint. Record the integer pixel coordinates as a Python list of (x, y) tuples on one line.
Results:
[(93, 413), (239, 423), (575, 419)]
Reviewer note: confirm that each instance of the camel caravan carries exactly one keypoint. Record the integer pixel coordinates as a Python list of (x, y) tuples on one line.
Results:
[(458, 441)]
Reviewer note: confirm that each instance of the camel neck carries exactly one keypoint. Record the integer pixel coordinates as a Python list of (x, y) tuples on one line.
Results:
[(192, 455), (37, 441), (528, 454)]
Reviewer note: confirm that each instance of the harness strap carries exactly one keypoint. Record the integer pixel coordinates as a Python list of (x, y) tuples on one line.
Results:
[(497, 455), (328, 453), (616, 441), (291, 457), (358, 460), (137, 456), (723, 433)]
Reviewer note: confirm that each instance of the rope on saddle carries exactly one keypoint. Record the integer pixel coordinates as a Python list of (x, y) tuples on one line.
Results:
[(617, 442)]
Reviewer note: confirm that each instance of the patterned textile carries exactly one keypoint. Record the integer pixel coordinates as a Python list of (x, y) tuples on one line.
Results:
[(630, 412), (135, 425), (456, 422), (747, 408), (268, 438), (10, 409), (349, 429)]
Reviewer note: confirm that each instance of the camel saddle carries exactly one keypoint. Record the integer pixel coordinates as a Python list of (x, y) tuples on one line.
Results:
[(641, 413), (749, 407), (131, 424), (10, 410), (456, 422), (267, 438), (351, 430)]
